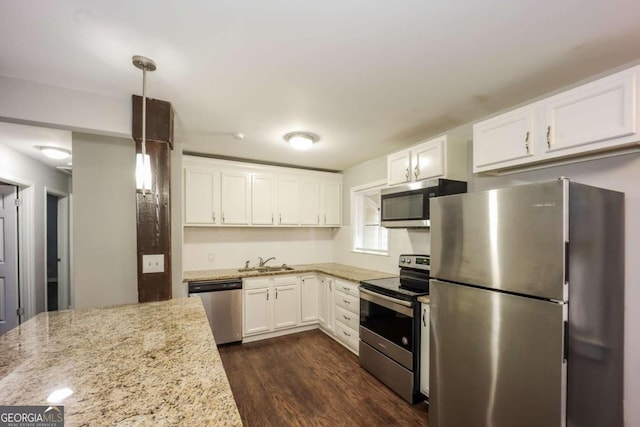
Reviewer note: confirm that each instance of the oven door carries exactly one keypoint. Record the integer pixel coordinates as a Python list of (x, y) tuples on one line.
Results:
[(387, 324)]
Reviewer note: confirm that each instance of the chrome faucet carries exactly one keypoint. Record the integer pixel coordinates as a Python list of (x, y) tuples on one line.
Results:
[(263, 262)]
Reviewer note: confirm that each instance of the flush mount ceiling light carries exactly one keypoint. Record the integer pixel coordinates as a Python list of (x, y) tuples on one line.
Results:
[(143, 160), (55, 153), (301, 140)]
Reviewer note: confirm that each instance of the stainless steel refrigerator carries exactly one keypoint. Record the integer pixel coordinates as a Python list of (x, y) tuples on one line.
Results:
[(527, 307)]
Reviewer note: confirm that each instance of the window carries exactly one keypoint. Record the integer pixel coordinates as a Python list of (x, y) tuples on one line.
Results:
[(368, 235)]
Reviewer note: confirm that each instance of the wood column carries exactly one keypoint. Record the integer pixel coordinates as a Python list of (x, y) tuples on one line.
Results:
[(153, 207)]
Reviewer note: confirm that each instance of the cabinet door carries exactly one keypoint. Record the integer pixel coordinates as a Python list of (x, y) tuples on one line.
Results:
[(309, 299), (332, 202), (398, 167), (257, 311), (323, 286), (288, 206), (428, 160), (235, 198), (330, 301), (504, 138), (310, 202), (598, 111), (286, 306), (201, 196), (424, 350), (263, 199)]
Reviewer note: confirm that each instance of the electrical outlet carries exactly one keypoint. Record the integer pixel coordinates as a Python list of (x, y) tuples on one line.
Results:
[(153, 263)]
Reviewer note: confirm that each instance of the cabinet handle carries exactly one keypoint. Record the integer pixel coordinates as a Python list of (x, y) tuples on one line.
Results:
[(325, 218), (223, 217), (347, 334), (416, 171), (267, 294), (330, 285), (526, 142), (318, 218), (281, 219), (548, 136), (213, 217), (345, 317), (345, 288), (272, 219), (424, 311), (406, 174), (346, 301), (276, 293)]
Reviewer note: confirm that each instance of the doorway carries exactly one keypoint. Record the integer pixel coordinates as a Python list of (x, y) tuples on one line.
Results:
[(9, 277), (57, 287)]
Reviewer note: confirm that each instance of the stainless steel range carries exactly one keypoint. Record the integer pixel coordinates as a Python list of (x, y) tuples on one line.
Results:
[(390, 326)]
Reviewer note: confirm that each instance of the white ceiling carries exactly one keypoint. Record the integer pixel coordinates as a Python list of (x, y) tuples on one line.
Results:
[(27, 139), (368, 76)]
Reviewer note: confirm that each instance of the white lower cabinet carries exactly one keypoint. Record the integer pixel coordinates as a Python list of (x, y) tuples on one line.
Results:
[(347, 314), (309, 299), (270, 304), (424, 349), (326, 305)]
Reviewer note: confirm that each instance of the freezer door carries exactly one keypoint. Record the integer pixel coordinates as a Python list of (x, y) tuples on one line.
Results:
[(511, 239), (496, 359)]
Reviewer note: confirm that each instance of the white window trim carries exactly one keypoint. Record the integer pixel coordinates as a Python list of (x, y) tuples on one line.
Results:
[(382, 183)]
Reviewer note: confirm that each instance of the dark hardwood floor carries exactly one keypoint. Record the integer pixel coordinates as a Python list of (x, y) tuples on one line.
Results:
[(307, 379)]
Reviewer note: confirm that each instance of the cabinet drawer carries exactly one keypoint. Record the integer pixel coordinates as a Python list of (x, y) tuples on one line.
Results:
[(348, 318), (348, 302), (347, 335), (347, 288), (257, 283)]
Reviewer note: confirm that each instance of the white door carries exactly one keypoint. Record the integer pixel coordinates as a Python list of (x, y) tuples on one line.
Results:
[(288, 207), (398, 167), (264, 189), (64, 299), (594, 112), (201, 196), (424, 349), (8, 259), (286, 306), (235, 198), (332, 202), (310, 203), (428, 160), (257, 311), (504, 138), (309, 299)]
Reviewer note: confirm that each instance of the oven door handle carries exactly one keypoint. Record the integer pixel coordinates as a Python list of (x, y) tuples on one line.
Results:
[(396, 301), (400, 306)]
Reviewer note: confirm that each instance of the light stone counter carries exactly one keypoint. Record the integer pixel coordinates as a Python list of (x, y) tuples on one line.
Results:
[(341, 271), (140, 364), (425, 299)]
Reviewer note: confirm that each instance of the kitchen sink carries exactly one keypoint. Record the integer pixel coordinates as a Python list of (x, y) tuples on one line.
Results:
[(268, 268)]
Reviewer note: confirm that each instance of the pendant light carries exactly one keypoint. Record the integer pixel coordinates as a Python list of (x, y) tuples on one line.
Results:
[(143, 160)]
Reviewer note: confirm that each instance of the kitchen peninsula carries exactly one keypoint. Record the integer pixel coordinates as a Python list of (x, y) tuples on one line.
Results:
[(140, 364)]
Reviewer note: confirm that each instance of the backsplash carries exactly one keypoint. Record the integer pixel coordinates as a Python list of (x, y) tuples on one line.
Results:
[(210, 248)]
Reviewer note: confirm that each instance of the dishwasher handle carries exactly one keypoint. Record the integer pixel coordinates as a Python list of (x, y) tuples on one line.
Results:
[(214, 286)]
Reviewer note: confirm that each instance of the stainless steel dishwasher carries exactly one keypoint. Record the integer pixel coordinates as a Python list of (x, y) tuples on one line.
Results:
[(222, 300)]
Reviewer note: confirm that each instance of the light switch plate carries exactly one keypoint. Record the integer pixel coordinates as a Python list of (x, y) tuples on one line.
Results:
[(153, 263)]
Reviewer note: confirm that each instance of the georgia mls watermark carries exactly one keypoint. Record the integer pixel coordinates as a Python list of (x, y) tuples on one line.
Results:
[(31, 416)]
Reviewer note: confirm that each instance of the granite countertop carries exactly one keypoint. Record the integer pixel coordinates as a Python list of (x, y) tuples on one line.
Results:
[(341, 271), (140, 364), (425, 299)]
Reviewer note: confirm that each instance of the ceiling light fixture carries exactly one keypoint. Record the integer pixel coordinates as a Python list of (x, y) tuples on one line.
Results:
[(301, 140), (143, 160), (55, 153)]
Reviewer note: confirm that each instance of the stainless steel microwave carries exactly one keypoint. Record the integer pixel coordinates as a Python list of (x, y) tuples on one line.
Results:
[(407, 205)]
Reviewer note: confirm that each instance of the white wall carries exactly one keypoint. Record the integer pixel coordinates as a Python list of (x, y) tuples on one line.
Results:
[(17, 167), (231, 247), (104, 221)]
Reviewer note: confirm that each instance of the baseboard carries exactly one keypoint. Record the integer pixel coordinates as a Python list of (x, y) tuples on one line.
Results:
[(279, 333)]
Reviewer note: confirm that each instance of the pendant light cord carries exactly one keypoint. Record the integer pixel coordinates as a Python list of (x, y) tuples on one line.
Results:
[(144, 113)]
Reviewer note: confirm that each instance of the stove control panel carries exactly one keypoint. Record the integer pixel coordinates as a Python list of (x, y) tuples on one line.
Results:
[(421, 262)]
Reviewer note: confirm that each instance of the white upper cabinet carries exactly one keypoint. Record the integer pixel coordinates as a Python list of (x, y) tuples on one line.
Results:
[(235, 198), (201, 196), (504, 138), (288, 203), (436, 158), (227, 193), (399, 167), (264, 190), (332, 202), (592, 120), (310, 202)]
